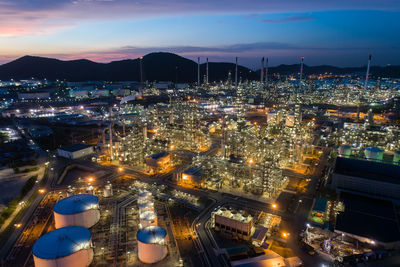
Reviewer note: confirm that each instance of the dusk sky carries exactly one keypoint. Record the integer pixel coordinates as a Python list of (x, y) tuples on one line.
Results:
[(337, 32)]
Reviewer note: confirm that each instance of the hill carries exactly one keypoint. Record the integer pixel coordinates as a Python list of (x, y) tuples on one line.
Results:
[(157, 67)]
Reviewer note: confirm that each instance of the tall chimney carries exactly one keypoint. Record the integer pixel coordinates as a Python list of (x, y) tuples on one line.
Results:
[(266, 72), (198, 71), (262, 71), (207, 72), (367, 75), (236, 73), (301, 73)]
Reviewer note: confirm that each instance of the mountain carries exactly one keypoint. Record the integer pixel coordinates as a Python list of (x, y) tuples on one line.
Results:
[(156, 67), (387, 71)]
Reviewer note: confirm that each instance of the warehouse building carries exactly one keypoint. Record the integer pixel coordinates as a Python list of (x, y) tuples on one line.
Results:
[(232, 222), (372, 178), (368, 220), (75, 151)]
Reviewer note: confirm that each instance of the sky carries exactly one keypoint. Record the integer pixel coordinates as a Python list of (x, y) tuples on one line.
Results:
[(335, 32)]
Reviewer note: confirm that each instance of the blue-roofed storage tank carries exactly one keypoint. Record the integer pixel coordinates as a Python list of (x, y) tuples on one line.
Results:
[(151, 244), (373, 153), (344, 150), (80, 210), (64, 247)]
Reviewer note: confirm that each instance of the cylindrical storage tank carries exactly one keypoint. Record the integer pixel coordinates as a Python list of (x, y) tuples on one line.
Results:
[(80, 210), (107, 190), (344, 150), (396, 156), (151, 244), (148, 218), (146, 206), (64, 247), (145, 195), (374, 153)]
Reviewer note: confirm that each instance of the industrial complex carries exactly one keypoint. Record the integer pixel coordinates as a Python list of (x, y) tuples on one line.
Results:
[(286, 170)]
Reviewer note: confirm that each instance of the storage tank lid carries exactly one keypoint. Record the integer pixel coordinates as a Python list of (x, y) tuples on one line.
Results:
[(148, 215), (76, 204), (146, 204), (374, 149), (151, 234), (62, 242)]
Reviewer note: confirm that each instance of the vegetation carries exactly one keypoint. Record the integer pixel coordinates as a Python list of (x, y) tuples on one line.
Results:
[(6, 213)]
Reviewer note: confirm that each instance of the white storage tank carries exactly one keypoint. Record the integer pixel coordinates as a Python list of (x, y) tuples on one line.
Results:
[(148, 218), (373, 153), (146, 206), (107, 190), (144, 196), (151, 244), (344, 150), (80, 210), (64, 247), (396, 156)]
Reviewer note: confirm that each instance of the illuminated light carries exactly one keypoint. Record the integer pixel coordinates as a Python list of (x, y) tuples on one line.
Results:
[(274, 206), (120, 169), (285, 235), (251, 161), (90, 179), (41, 191)]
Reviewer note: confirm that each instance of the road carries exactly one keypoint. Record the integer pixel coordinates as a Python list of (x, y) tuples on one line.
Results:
[(294, 221)]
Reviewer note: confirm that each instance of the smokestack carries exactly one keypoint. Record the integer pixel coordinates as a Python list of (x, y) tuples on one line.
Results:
[(141, 70), (262, 71), (236, 73), (266, 72), (110, 135), (198, 71), (207, 72), (301, 73), (367, 75)]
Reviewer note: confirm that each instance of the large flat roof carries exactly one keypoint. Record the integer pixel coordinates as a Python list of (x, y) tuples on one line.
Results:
[(74, 148), (367, 169), (368, 217), (365, 225)]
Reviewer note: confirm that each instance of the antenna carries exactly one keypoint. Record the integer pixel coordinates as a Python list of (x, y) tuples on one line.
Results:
[(367, 75), (262, 71), (207, 72), (236, 72), (198, 71)]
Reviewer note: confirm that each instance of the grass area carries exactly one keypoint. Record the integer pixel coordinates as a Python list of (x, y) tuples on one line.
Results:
[(12, 206), (17, 170)]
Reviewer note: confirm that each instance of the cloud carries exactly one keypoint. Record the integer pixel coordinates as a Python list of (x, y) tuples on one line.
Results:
[(292, 18), (58, 13)]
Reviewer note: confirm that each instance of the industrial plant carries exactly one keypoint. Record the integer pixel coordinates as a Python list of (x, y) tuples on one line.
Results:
[(210, 173)]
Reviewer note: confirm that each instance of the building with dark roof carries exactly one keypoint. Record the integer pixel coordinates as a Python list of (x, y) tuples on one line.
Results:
[(158, 161), (371, 178), (369, 220), (75, 151)]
